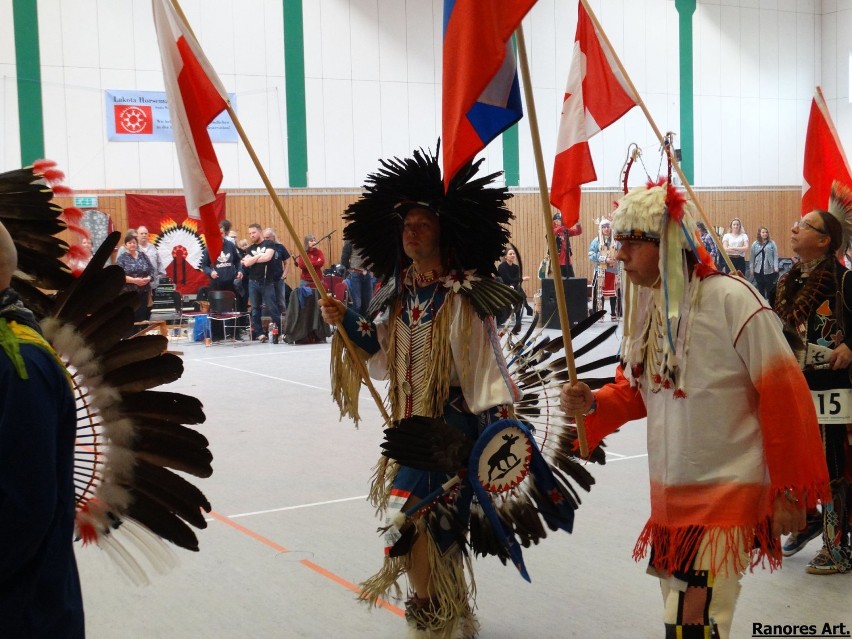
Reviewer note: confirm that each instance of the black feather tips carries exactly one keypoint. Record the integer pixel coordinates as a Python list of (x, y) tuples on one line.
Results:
[(472, 214)]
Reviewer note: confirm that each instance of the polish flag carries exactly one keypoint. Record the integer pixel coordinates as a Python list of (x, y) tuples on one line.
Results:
[(825, 160), (196, 97), (596, 96)]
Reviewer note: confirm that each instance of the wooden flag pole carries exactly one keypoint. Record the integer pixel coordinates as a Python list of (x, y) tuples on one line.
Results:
[(359, 364), (660, 137), (362, 369), (551, 236)]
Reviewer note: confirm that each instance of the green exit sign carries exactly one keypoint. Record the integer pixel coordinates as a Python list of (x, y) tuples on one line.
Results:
[(86, 201)]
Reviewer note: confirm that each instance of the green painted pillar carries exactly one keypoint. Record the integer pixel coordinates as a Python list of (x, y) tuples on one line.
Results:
[(294, 85), (28, 63), (511, 161), (686, 9), (511, 153)]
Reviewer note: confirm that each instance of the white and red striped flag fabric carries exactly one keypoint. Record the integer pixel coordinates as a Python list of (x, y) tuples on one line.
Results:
[(825, 160), (596, 96), (196, 97)]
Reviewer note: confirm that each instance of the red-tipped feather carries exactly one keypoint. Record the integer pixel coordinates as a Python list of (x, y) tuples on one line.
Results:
[(79, 230), (39, 166), (675, 202), (72, 215), (61, 189), (53, 176), (77, 252)]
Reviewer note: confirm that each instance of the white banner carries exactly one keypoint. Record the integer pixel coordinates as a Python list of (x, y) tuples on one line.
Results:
[(143, 116)]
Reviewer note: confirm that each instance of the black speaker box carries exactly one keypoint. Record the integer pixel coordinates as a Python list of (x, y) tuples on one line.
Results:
[(576, 298)]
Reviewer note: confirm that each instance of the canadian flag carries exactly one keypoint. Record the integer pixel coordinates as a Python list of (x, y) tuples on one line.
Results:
[(825, 160), (596, 96), (196, 97)]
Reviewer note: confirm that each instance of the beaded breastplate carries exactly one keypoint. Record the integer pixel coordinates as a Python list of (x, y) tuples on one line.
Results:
[(413, 337)]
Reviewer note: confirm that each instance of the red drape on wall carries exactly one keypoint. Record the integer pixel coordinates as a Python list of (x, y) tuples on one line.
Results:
[(176, 236)]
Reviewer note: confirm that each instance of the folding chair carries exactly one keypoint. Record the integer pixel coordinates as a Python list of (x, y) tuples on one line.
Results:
[(223, 308)]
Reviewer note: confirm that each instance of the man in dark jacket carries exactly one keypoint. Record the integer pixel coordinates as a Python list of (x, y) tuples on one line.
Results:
[(261, 278), (226, 270), (280, 267)]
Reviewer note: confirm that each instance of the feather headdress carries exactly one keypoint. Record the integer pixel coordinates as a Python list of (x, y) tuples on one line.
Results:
[(840, 207), (657, 213), (130, 437), (472, 215)]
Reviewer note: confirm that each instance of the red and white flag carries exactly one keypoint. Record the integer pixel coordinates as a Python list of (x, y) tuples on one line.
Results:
[(596, 96), (825, 160), (196, 97)]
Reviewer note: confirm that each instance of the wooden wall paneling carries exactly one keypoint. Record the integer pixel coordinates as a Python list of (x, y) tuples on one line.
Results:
[(320, 211)]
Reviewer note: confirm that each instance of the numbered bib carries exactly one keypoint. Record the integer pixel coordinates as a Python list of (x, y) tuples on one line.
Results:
[(833, 406)]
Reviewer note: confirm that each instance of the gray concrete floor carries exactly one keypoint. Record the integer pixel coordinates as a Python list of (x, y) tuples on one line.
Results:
[(291, 535)]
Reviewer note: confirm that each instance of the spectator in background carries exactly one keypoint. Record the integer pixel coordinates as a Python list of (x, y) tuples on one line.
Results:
[(280, 268), (138, 274), (360, 280), (315, 255), (241, 285), (563, 244), (764, 262), (226, 270), (509, 271), (153, 256), (709, 242), (261, 283), (78, 264), (735, 243), (602, 251), (121, 250), (303, 323)]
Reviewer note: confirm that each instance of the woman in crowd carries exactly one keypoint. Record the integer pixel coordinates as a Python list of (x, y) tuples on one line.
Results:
[(317, 260), (138, 273), (78, 263), (510, 273), (303, 323), (764, 262), (735, 243)]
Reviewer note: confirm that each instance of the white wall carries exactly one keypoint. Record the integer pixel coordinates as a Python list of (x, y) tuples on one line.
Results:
[(373, 71), (88, 46), (756, 65), (836, 31), (10, 156)]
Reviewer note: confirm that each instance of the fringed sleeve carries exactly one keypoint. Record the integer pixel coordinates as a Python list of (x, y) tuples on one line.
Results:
[(345, 376)]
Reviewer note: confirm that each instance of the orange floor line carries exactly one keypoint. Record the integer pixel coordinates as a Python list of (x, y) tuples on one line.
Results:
[(246, 531), (308, 564), (350, 586)]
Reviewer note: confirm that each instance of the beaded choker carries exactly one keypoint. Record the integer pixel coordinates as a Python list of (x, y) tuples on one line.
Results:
[(428, 277)]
